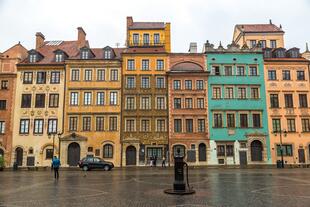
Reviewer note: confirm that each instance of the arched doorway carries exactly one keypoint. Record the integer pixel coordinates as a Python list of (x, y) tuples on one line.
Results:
[(202, 150), (19, 156), (1, 152), (256, 151), (131, 155), (74, 152)]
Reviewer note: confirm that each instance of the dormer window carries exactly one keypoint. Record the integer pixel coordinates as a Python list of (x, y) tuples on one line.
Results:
[(59, 57), (294, 54), (84, 54), (33, 58), (107, 54), (280, 53)]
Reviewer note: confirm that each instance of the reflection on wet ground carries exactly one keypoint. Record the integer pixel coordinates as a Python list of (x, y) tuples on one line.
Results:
[(144, 187)]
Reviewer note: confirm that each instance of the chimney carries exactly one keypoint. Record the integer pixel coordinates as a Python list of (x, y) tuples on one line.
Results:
[(193, 47), (39, 40), (128, 24), (129, 21), (270, 21), (81, 37)]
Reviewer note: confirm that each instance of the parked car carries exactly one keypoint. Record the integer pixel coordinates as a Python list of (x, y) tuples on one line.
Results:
[(89, 163)]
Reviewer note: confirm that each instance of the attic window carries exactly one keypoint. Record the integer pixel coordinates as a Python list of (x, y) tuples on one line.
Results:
[(294, 54), (84, 54), (280, 54), (33, 58), (59, 57), (107, 54)]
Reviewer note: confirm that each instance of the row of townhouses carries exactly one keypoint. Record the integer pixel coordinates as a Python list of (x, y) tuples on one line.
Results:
[(247, 103)]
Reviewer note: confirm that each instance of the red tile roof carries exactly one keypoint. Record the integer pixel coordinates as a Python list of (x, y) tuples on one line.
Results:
[(147, 25), (259, 28)]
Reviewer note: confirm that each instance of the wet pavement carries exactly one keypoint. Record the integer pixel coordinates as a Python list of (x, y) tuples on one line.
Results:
[(137, 187)]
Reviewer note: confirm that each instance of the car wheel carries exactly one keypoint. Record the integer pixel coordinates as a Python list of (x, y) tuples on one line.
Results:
[(106, 168), (85, 168)]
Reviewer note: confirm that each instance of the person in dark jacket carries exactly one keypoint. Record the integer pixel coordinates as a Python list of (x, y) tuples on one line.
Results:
[(56, 165)]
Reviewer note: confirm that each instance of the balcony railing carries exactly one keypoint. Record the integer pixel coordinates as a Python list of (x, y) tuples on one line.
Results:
[(145, 44)]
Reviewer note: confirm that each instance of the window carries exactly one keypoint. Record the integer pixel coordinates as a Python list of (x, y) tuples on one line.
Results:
[(88, 75), (52, 126), (160, 82), (188, 84), (216, 70), (107, 54), (179, 150), (55, 77), (286, 75), (189, 125), (287, 150), (97, 152), (107, 151), (74, 98), (217, 120), (145, 82), (201, 125), (2, 127), (135, 38), (305, 123), (262, 43), (231, 120), (4, 84), (145, 64), (288, 98), (200, 103), (252, 43), (272, 75), (87, 98), (145, 125), (243, 120), (75, 75), (303, 101), (216, 92), (300, 75), (27, 79), (73, 121), (160, 103), (242, 93), (160, 125), (48, 154), (100, 75), (274, 101), (130, 125), (229, 92), (58, 57), (100, 98), (160, 65), (130, 64), (253, 71), (273, 43), (229, 150), (41, 77), (199, 85), (53, 100), (86, 123), (113, 98), (156, 39), (33, 58), (240, 71), (90, 149), (177, 125), (255, 93), (177, 103), (99, 123), (130, 82), (154, 152), (84, 54), (130, 103), (220, 150), (38, 126), (276, 125), (145, 103), (146, 39), (256, 120), (113, 123), (26, 101), (177, 85), (24, 126), (228, 71), (188, 103), (40, 101), (114, 75), (291, 125)]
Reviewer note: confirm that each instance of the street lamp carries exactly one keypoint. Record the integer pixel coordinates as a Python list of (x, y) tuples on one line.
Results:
[(53, 135), (284, 132)]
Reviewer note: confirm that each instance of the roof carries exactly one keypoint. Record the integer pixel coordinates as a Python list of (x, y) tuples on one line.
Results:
[(187, 67), (147, 25), (259, 28), (98, 53), (139, 50)]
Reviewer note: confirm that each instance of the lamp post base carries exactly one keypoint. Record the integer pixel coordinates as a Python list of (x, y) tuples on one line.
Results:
[(179, 192)]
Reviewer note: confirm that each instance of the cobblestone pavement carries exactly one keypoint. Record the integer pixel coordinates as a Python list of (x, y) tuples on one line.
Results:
[(137, 187)]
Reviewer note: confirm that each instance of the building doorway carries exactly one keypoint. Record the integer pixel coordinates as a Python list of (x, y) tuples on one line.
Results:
[(256, 151), (1, 152), (202, 152), (131, 155), (74, 152), (243, 158), (19, 156), (301, 156)]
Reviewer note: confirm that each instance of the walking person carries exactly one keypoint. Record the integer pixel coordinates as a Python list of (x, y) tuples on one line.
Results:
[(155, 160), (151, 161), (163, 164), (56, 165)]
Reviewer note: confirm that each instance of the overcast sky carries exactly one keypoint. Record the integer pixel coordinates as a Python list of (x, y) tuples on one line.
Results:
[(191, 20)]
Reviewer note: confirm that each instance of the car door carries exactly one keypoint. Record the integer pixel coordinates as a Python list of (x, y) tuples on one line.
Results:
[(97, 163)]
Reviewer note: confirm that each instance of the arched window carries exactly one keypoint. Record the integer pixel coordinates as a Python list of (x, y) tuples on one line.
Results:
[(108, 151)]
